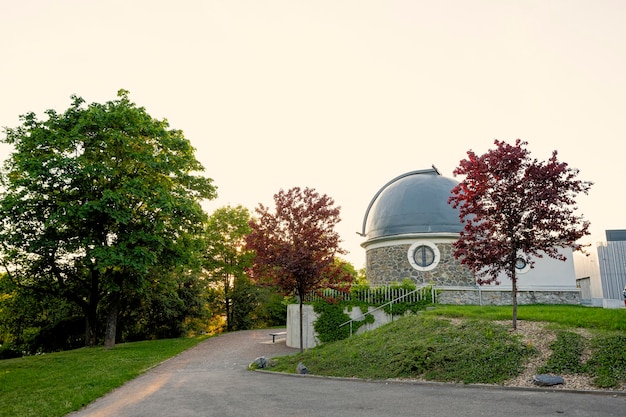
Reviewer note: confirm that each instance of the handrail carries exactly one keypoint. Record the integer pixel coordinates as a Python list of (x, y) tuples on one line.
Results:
[(382, 306)]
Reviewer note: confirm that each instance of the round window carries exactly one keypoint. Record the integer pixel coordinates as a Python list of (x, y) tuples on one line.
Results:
[(423, 256), (521, 266)]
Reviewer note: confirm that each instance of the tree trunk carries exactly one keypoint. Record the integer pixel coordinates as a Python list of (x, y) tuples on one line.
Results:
[(90, 309), (111, 331), (227, 305), (91, 325), (301, 327), (514, 297)]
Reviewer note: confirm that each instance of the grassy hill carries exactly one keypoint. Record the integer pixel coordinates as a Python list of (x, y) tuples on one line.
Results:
[(472, 344)]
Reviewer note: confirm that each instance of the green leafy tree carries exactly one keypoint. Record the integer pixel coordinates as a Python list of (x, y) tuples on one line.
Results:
[(95, 198), (515, 208), (226, 263), (172, 304), (296, 244)]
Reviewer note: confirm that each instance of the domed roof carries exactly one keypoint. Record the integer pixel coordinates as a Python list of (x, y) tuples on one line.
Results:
[(415, 202)]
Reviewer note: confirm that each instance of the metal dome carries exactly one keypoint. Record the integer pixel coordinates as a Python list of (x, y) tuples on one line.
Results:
[(415, 202)]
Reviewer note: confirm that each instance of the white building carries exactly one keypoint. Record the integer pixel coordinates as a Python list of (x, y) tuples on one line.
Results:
[(603, 271)]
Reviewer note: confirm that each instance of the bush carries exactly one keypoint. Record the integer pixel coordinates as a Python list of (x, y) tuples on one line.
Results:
[(8, 351), (330, 317), (66, 334)]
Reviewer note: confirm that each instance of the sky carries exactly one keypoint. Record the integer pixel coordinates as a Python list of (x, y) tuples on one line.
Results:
[(339, 95)]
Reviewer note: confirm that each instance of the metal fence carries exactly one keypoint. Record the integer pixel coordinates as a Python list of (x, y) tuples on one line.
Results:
[(376, 295)]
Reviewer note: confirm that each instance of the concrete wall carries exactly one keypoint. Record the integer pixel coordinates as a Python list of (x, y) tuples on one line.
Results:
[(310, 338), (293, 326)]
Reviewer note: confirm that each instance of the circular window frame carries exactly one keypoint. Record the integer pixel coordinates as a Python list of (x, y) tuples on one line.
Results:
[(524, 269), (411, 256)]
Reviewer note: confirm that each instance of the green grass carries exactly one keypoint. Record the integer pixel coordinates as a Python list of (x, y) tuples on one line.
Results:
[(476, 349), (570, 316), (56, 384)]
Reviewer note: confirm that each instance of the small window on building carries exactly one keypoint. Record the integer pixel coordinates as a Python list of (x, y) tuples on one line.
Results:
[(521, 266), (423, 256)]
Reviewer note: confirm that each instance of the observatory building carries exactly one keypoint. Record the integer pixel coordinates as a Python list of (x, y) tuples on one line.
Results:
[(409, 228)]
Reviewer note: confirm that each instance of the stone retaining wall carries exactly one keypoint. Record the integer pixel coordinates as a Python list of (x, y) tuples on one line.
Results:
[(474, 296)]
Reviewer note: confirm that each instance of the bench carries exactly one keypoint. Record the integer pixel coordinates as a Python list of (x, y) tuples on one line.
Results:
[(277, 334)]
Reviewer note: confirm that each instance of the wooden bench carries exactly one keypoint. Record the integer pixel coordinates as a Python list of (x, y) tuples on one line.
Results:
[(277, 334)]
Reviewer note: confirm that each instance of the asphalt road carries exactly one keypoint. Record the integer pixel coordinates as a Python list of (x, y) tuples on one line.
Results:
[(212, 380)]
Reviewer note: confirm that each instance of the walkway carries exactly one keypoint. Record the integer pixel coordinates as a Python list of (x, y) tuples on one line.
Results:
[(212, 380)]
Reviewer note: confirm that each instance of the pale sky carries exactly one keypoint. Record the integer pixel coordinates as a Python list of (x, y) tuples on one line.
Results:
[(340, 96)]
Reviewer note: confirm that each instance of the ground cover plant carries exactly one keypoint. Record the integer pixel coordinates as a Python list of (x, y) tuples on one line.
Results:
[(465, 344), (55, 384), (420, 346)]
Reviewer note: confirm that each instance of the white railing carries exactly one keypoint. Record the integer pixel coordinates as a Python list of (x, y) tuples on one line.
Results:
[(377, 295), (419, 292)]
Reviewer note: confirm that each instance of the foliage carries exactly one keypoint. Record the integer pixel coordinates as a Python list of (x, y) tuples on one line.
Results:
[(379, 295), (168, 303), (331, 316), (32, 322), (295, 245), (515, 207), (96, 198), (428, 346), (608, 363), (56, 384), (271, 309), (226, 262), (244, 298), (417, 346), (567, 351)]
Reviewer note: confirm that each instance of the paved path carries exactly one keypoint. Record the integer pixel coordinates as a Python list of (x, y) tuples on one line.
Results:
[(212, 380)]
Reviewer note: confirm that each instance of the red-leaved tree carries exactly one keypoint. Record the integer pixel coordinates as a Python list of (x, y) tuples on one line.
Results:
[(514, 209), (296, 244)]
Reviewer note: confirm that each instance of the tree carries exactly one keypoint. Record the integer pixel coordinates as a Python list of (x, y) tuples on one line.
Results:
[(515, 208), (295, 246), (227, 261), (170, 304), (94, 199)]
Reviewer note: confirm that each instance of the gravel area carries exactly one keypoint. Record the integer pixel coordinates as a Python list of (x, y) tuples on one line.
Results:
[(539, 336)]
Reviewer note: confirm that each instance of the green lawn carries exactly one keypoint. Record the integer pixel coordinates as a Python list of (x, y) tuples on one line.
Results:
[(55, 384), (571, 316)]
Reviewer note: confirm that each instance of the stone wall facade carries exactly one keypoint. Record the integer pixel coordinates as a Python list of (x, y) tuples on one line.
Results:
[(389, 264)]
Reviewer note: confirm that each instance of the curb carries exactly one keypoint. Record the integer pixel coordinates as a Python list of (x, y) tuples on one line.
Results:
[(451, 384)]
